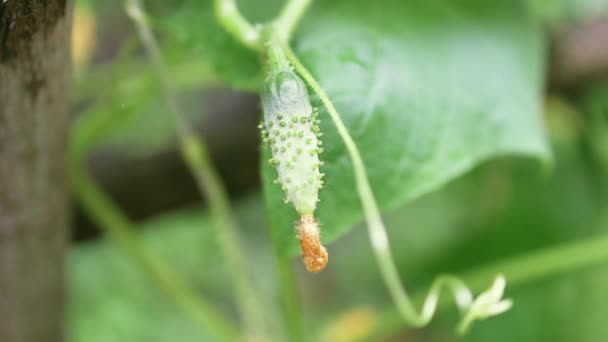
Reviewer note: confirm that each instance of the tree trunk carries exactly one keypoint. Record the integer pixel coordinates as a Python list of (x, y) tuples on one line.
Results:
[(34, 81)]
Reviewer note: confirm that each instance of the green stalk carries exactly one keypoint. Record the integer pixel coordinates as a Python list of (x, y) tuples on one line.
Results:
[(290, 298), (289, 17), (195, 154), (229, 16)]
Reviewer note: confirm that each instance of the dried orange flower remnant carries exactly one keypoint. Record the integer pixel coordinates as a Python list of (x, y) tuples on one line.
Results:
[(314, 254)]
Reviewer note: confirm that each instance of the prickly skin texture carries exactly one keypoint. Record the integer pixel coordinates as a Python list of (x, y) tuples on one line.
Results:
[(290, 128)]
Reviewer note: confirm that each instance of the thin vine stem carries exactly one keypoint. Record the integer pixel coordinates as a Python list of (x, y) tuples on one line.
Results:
[(289, 17), (379, 238), (120, 229), (229, 16), (195, 154), (289, 297)]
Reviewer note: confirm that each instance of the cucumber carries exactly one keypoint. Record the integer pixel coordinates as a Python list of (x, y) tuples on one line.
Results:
[(290, 129)]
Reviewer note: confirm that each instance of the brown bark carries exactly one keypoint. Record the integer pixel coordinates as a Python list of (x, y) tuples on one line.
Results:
[(579, 54), (34, 79)]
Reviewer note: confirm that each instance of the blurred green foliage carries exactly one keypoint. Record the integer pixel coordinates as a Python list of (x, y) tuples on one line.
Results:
[(469, 73), (501, 209)]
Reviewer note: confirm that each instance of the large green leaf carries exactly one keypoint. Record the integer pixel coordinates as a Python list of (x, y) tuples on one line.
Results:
[(427, 89)]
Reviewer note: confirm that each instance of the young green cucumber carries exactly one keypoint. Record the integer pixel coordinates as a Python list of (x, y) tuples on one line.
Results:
[(291, 130)]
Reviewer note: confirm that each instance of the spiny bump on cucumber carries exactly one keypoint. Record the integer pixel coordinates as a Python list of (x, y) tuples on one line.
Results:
[(289, 116), (286, 104)]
